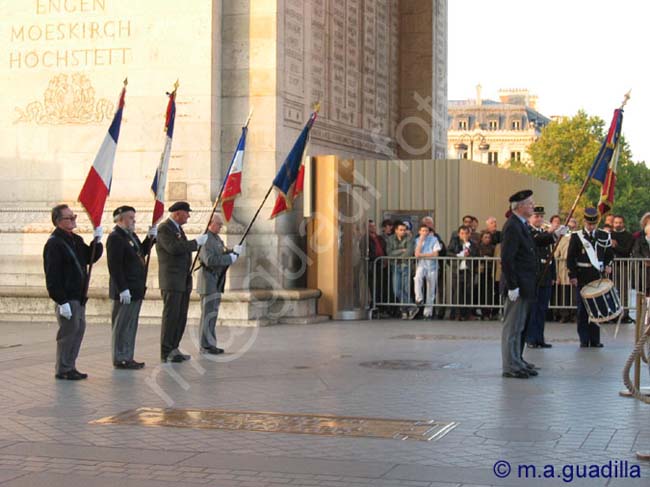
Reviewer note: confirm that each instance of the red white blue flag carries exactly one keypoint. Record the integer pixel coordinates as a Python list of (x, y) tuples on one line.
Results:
[(97, 186), (232, 185), (290, 178), (160, 178), (603, 170)]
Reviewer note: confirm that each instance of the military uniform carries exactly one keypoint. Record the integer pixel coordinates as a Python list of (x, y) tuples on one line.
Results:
[(581, 268), (544, 241)]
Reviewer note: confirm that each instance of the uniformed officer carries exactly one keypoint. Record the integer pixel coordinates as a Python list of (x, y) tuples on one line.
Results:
[(544, 241), (174, 261), (126, 267), (589, 256), (65, 261)]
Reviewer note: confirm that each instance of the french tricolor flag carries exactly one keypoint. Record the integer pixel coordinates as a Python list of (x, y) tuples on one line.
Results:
[(232, 185), (98, 182), (160, 179)]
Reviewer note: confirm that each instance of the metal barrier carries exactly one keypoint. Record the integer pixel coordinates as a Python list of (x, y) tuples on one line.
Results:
[(473, 283)]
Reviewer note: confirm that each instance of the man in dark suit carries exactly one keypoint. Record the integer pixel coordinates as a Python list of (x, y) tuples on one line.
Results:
[(175, 279), (127, 284), (588, 248), (519, 270), (65, 261)]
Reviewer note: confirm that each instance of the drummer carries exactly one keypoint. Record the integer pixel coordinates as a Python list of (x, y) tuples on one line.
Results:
[(589, 258)]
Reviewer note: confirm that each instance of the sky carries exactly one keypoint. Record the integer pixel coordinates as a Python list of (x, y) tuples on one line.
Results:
[(572, 54)]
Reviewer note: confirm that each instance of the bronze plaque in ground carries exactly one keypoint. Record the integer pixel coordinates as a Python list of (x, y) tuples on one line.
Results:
[(310, 424)]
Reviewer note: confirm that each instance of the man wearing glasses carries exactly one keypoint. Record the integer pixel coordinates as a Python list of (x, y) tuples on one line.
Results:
[(65, 260)]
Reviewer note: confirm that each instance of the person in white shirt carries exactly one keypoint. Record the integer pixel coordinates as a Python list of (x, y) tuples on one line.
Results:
[(426, 248)]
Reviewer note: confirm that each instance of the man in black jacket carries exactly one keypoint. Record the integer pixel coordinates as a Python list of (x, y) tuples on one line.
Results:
[(519, 270), (126, 267), (588, 248), (175, 280), (622, 243), (65, 261)]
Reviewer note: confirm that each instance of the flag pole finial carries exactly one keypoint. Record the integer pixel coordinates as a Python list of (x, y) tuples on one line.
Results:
[(126, 81), (250, 115), (176, 85), (626, 98), (317, 106)]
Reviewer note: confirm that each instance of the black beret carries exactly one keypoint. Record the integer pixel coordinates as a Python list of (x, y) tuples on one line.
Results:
[(591, 215), (122, 209), (520, 195), (180, 205), (539, 210)]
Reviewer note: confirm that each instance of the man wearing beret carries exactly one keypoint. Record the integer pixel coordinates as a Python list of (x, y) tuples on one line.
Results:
[(519, 269), (175, 279), (65, 261), (126, 267), (588, 257)]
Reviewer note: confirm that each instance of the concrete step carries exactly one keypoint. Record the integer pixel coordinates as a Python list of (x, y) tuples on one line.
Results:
[(238, 308)]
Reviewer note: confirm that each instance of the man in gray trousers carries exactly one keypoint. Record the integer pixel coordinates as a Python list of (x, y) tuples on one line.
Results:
[(215, 261), (519, 272), (65, 261), (126, 267)]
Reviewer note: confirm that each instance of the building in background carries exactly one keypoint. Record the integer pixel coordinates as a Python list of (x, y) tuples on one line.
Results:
[(494, 132)]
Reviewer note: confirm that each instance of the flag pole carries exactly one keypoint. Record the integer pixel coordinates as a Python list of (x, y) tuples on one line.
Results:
[(216, 203), (582, 190), (248, 228), (93, 244), (152, 241)]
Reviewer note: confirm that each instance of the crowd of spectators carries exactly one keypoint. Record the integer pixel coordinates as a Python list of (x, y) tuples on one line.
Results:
[(417, 277)]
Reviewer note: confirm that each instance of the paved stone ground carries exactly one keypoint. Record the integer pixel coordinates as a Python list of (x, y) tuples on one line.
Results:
[(570, 414)]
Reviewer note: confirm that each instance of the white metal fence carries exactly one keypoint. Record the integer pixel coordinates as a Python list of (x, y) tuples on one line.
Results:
[(473, 283)]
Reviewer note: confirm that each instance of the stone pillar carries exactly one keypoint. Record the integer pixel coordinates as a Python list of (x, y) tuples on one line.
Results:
[(422, 131)]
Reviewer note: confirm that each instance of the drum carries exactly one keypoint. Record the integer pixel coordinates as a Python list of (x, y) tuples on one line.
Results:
[(601, 300)]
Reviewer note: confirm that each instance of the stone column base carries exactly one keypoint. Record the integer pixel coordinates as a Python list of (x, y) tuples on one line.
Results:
[(238, 308)]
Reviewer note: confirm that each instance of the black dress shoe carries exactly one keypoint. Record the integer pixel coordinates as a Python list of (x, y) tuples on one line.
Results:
[(173, 358), (532, 372), (528, 365), (584, 345), (80, 374), (71, 375), (519, 374), (545, 345), (128, 365), (597, 345), (212, 350), (533, 345)]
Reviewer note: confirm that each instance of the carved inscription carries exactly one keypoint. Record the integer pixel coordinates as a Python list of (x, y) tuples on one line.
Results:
[(56, 39), (345, 52)]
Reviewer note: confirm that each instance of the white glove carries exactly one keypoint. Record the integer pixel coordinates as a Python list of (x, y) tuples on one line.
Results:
[(98, 233), (561, 231), (239, 249), (513, 295), (152, 232), (65, 311), (125, 297), (201, 239), (233, 257)]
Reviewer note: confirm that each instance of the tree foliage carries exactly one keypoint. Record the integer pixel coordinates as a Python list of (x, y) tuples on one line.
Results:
[(564, 154)]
